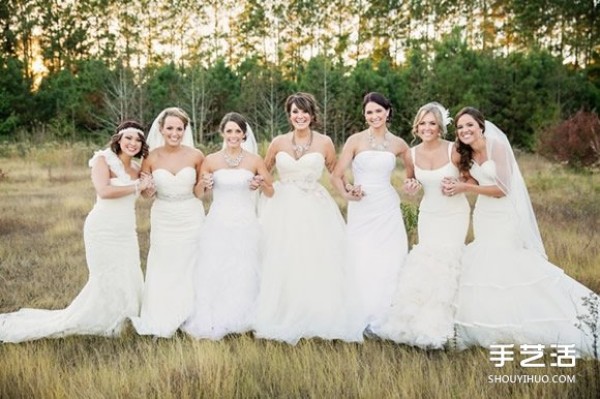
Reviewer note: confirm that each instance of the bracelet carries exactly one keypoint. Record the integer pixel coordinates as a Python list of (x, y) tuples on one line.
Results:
[(136, 188)]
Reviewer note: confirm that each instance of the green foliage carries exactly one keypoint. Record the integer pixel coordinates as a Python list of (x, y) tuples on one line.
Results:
[(522, 92), (15, 97), (225, 89), (410, 214), (164, 87), (71, 103)]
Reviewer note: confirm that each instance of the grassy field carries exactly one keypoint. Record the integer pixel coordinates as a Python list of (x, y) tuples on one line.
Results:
[(45, 194)]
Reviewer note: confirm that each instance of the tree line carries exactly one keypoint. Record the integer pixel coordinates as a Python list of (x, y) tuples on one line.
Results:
[(71, 70)]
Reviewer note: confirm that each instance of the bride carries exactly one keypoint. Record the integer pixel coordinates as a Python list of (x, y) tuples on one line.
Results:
[(422, 311), (176, 217), (509, 293), (226, 273), (113, 291), (376, 233), (306, 288)]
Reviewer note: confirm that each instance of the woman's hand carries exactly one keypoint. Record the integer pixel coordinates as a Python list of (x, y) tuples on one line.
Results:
[(207, 181), (256, 182), (411, 186), (146, 184), (452, 186), (354, 192)]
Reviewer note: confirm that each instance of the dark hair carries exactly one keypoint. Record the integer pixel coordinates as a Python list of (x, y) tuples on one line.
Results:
[(377, 98), (235, 118), (306, 102), (114, 141), (466, 151)]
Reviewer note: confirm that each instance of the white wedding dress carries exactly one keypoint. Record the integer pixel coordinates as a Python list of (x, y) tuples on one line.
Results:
[(114, 287), (509, 294), (422, 311), (377, 239), (307, 288), (226, 273), (176, 220)]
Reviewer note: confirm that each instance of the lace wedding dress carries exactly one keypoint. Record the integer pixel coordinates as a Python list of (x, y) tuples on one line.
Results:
[(113, 291)]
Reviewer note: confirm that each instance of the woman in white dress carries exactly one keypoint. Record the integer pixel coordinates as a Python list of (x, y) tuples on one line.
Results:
[(422, 311), (226, 274), (509, 293), (306, 286), (113, 291), (377, 239), (176, 217)]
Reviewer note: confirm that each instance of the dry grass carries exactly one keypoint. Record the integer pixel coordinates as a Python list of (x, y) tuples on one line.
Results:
[(42, 264)]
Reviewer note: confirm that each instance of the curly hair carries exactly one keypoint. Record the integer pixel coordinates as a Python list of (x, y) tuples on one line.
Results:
[(466, 151), (114, 141)]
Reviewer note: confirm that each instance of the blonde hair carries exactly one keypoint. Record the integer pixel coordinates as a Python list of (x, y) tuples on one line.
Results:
[(176, 112), (435, 109)]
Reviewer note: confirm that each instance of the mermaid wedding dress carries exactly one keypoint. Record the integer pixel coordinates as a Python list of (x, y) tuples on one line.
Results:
[(176, 220), (113, 291), (422, 311)]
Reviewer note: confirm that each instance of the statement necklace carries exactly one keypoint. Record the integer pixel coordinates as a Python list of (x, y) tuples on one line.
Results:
[(233, 162), (377, 146), (300, 149)]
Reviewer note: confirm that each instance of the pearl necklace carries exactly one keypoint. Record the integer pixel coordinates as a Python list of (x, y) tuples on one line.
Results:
[(381, 146), (300, 149), (233, 162)]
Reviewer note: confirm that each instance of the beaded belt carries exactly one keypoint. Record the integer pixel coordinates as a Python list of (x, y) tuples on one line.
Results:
[(174, 197)]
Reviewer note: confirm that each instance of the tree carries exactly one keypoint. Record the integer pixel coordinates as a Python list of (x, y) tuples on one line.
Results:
[(15, 98)]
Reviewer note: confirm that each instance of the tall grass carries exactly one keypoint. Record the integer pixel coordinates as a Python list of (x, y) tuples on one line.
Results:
[(42, 264)]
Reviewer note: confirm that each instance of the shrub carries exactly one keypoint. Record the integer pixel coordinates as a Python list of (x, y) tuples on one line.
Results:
[(575, 141)]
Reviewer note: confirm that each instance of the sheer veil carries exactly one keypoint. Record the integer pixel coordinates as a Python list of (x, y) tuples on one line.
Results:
[(155, 138), (510, 181)]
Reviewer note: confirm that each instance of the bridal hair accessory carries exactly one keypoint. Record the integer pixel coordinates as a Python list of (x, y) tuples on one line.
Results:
[(131, 130), (446, 118)]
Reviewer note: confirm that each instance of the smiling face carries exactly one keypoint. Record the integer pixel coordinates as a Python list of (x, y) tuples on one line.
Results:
[(376, 115), (468, 129), (299, 118), (172, 130), (130, 143), (233, 135), (428, 128), (302, 110)]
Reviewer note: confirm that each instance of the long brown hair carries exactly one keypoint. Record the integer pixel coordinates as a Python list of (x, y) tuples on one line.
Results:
[(466, 151)]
